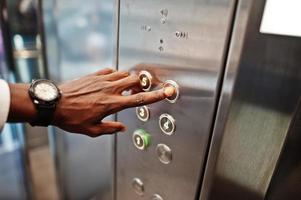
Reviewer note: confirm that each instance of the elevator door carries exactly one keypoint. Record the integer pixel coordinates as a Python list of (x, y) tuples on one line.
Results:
[(180, 43)]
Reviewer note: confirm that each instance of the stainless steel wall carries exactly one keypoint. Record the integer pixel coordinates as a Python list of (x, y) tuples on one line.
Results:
[(187, 42), (259, 97), (184, 41)]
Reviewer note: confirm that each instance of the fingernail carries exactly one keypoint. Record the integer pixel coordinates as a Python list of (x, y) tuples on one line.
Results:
[(169, 91)]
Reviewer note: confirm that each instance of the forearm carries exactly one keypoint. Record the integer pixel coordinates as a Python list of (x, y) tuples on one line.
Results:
[(21, 107)]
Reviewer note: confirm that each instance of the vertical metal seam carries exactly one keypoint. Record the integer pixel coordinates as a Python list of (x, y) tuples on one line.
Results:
[(218, 96), (42, 33), (116, 61)]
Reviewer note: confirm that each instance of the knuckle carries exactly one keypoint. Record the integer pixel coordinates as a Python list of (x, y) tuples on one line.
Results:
[(93, 131), (134, 78), (121, 73), (139, 98)]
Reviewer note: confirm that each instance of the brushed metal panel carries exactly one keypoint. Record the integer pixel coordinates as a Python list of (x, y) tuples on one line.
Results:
[(195, 63), (259, 95)]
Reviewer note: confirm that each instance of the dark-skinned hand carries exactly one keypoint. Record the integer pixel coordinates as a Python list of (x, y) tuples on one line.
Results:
[(85, 102)]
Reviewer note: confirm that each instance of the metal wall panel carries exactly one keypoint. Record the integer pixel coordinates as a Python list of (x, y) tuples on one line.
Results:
[(260, 93), (150, 39)]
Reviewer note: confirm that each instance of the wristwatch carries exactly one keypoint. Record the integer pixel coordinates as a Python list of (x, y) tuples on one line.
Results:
[(45, 95)]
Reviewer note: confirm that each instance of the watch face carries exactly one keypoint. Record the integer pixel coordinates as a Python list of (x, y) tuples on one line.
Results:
[(46, 91)]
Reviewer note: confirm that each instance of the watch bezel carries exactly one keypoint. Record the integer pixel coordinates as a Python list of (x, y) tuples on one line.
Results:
[(41, 102)]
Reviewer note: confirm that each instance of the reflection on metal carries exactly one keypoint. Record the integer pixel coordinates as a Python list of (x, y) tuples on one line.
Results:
[(260, 93), (25, 30), (138, 186), (25, 54), (164, 153), (196, 64)]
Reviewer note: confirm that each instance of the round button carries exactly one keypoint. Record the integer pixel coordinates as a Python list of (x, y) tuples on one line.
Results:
[(138, 186), (142, 113), (145, 80), (141, 139), (176, 95), (156, 197), (167, 124), (164, 153)]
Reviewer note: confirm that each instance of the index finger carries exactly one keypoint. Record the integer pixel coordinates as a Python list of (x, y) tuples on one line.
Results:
[(144, 98)]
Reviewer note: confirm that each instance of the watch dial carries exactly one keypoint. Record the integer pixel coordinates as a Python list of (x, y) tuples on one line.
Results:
[(46, 91)]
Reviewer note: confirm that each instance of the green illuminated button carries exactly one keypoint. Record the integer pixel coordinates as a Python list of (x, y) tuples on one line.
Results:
[(141, 139)]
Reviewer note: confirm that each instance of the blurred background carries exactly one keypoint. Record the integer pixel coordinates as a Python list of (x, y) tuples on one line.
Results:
[(45, 163)]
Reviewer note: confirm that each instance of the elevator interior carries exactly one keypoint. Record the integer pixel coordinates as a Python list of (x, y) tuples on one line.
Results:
[(230, 132)]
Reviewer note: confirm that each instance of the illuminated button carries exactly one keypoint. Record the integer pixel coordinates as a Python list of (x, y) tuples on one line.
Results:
[(176, 95), (141, 139), (164, 153), (156, 197), (142, 113), (167, 124), (145, 80), (138, 186)]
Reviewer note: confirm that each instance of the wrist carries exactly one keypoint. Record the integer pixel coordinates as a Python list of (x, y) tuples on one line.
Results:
[(63, 107), (58, 113), (21, 107)]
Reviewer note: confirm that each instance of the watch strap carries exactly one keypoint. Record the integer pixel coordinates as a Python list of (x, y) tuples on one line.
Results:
[(44, 116)]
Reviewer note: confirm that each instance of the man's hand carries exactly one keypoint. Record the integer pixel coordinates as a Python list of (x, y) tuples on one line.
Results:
[(86, 101)]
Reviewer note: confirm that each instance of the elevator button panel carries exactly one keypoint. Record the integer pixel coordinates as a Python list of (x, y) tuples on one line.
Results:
[(164, 153), (145, 80), (167, 124), (176, 95), (143, 113), (138, 186), (182, 44), (141, 139)]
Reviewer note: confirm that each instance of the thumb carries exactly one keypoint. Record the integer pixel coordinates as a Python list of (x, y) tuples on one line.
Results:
[(110, 127)]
